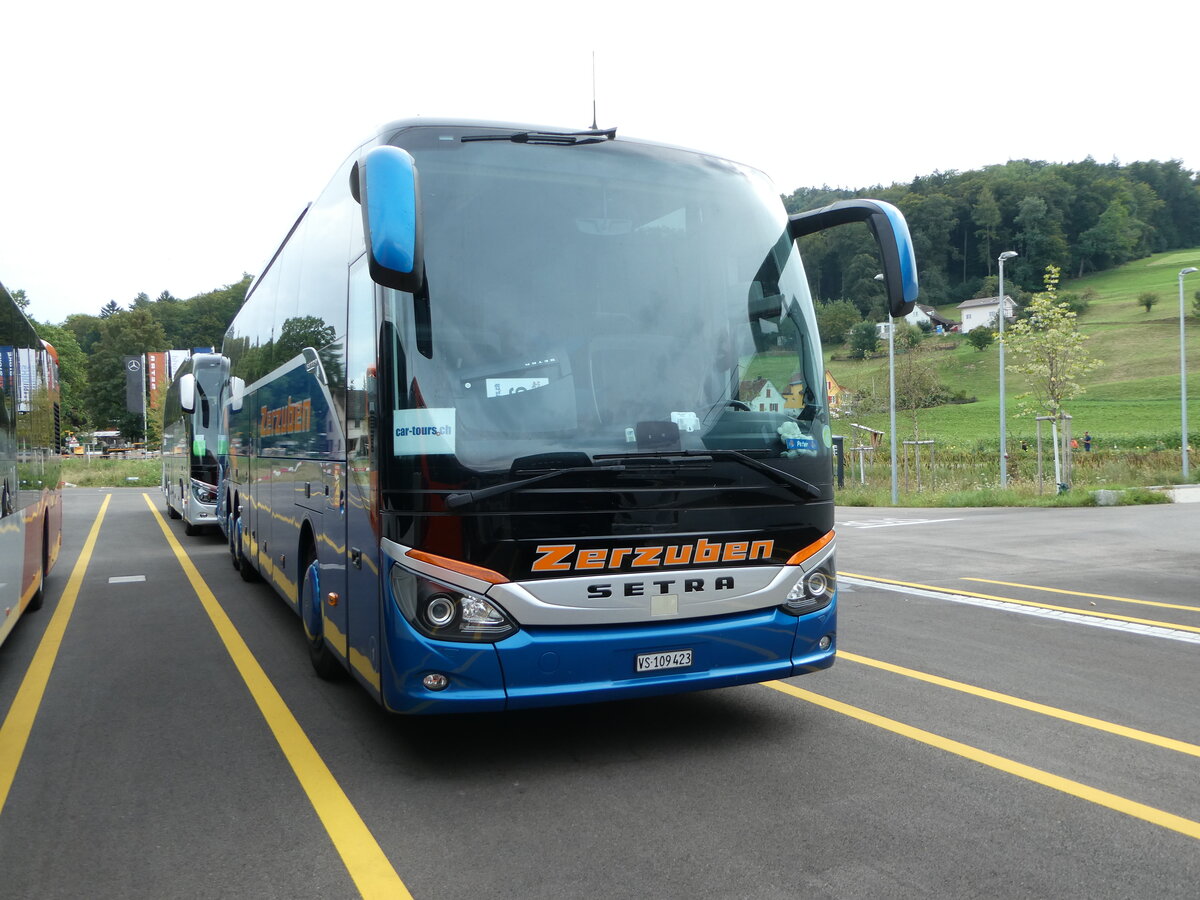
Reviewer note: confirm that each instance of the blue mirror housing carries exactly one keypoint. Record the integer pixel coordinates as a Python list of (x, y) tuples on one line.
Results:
[(388, 193), (891, 234)]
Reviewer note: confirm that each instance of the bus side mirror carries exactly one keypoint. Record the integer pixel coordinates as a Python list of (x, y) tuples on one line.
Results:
[(237, 393), (891, 234), (187, 392), (385, 184)]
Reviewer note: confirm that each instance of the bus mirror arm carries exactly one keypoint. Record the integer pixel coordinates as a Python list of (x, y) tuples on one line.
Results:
[(891, 233)]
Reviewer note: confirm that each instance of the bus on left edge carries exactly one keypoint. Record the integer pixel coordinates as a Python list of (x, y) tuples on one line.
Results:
[(30, 464)]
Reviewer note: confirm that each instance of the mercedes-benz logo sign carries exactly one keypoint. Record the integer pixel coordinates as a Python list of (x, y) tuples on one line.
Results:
[(133, 365)]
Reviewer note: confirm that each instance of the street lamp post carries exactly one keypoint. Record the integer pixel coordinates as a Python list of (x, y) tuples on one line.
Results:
[(1007, 254), (1183, 443), (892, 396)]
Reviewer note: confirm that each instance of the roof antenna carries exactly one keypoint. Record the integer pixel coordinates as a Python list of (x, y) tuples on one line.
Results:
[(595, 127)]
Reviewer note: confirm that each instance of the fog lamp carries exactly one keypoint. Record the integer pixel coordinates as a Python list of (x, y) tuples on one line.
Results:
[(436, 681)]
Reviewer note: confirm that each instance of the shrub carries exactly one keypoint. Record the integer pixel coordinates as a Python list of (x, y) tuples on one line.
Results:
[(835, 319), (863, 339), (1077, 303), (907, 336), (981, 338)]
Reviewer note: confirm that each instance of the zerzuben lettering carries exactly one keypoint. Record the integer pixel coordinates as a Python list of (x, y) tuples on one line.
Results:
[(292, 418), (568, 557)]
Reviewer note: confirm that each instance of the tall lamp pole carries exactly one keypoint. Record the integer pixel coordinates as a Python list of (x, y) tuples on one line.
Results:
[(1000, 315), (1183, 375), (892, 395)]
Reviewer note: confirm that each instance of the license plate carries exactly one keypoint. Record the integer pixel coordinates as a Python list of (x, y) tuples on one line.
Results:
[(652, 662)]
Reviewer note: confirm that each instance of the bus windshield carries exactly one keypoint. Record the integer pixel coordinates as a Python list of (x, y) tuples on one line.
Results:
[(606, 298)]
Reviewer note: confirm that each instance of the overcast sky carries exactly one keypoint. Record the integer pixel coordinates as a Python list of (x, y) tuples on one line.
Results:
[(150, 146)]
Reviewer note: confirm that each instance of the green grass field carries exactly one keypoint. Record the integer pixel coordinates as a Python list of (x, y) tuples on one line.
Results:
[(97, 472), (1130, 402)]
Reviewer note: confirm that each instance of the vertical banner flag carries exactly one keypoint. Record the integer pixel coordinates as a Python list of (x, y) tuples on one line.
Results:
[(175, 359), (156, 375), (135, 393)]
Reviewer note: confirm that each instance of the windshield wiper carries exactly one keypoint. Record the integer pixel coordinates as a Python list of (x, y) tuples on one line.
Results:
[(737, 456), (464, 498), (628, 462), (565, 138)]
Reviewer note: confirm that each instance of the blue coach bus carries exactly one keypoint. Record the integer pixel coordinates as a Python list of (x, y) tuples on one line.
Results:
[(501, 422)]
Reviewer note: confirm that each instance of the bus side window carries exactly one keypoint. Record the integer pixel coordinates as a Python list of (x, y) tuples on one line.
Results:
[(360, 361)]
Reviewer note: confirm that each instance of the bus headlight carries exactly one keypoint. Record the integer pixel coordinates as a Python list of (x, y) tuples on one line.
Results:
[(440, 610), (813, 591), (447, 613), (203, 491)]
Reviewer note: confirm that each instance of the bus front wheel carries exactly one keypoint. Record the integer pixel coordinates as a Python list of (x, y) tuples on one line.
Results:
[(323, 661), (39, 596), (240, 562)]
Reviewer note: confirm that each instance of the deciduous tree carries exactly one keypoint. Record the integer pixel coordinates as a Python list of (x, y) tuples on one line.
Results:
[(835, 319), (1048, 349), (863, 339), (126, 333)]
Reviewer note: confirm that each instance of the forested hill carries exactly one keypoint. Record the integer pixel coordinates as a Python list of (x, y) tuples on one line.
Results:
[(1081, 216), (91, 348)]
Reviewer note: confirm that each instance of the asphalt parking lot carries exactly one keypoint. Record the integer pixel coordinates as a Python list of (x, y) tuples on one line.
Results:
[(1013, 714)]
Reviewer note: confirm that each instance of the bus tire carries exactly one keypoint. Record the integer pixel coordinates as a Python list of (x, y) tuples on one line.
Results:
[(39, 596), (244, 566), (324, 662), (231, 537)]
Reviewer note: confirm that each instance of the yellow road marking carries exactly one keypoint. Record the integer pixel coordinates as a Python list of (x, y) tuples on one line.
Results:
[(14, 733), (1114, 617), (1050, 590), (1029, 705), (373, 874), (1029, 773)]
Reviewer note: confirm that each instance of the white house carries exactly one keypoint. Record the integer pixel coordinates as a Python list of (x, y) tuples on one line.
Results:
[(921, 314), (766, 397), (982, 311)]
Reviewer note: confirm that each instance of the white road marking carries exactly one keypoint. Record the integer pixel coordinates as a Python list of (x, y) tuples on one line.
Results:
[(889, 523), (1158, 631)]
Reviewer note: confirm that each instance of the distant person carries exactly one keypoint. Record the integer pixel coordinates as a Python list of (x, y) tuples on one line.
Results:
[(1074, 444), (1087, 442)]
